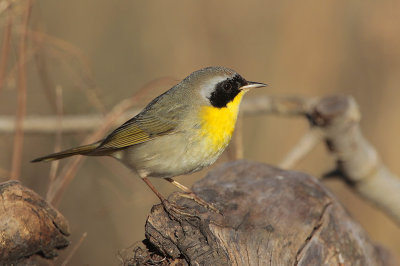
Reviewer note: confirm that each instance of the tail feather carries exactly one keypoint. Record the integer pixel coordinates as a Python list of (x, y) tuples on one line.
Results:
[(82, 150)]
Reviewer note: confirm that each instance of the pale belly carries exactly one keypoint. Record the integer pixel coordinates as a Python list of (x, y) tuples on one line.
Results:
[(171, 155)]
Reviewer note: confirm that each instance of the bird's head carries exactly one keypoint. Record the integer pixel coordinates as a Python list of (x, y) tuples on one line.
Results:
[(219, 86)]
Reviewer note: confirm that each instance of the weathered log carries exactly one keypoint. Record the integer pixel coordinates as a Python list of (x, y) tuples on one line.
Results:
[(269, 216), (28, 225)]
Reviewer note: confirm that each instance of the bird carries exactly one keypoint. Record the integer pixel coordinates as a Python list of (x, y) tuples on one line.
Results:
[(182, 131)]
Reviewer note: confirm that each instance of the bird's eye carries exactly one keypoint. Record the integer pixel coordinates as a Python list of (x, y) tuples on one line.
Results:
[(227, 86)]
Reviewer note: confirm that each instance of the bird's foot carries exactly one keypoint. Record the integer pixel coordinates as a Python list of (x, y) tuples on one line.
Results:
[(174, 208), (197, 199)]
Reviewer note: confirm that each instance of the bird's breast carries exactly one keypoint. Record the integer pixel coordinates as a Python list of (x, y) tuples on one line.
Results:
[(217, 124)]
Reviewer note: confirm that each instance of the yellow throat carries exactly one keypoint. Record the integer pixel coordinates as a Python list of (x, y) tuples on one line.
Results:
[(217, 124)]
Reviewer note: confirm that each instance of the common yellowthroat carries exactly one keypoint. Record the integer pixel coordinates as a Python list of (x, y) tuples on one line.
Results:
[(181, 131)]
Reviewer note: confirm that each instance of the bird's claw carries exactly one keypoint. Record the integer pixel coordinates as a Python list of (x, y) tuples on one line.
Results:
[(200, 201), (171, 207)]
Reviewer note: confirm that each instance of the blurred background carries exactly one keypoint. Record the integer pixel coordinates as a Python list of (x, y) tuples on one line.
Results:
[(85, 57)]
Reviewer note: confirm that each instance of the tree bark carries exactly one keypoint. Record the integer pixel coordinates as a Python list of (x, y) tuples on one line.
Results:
[(269, 217)]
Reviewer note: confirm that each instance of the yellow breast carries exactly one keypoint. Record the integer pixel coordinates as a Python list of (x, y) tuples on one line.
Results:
[(217, 124)]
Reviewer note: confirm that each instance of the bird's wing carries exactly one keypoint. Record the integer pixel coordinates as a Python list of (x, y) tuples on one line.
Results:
[(137, 130)]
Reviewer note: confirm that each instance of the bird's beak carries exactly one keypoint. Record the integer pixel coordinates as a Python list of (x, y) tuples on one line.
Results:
[(252, 84)]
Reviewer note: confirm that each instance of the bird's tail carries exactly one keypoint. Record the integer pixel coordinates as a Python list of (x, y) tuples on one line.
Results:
[(83, 150)]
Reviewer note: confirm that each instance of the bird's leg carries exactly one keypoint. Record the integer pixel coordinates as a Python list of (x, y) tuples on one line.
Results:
[(179, 185), (191, 195), (167, 205), (150, 185)]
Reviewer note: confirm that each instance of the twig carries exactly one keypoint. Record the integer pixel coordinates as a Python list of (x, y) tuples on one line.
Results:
[(74, 249), (5, 50), (305, 145), (42, 70), (21, 105), (29, 54), (5, 5), (289, 105), (64, 46), (71, 123), (74, 52), (57, 146)]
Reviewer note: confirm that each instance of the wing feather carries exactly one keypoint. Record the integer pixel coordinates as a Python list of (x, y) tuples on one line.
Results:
[(157, 119), (137, 130)]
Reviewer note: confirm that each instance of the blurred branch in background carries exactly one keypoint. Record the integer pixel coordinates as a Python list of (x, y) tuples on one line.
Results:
[(305, 145), (334, 119), (74, 249), (21, 100), (358, 163), (67, 53), (5, 49), (57, 146), (70, 123), (58, 187), (357, 160)]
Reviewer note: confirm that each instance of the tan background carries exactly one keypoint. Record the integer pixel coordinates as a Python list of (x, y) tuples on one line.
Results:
[(299, 47)]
